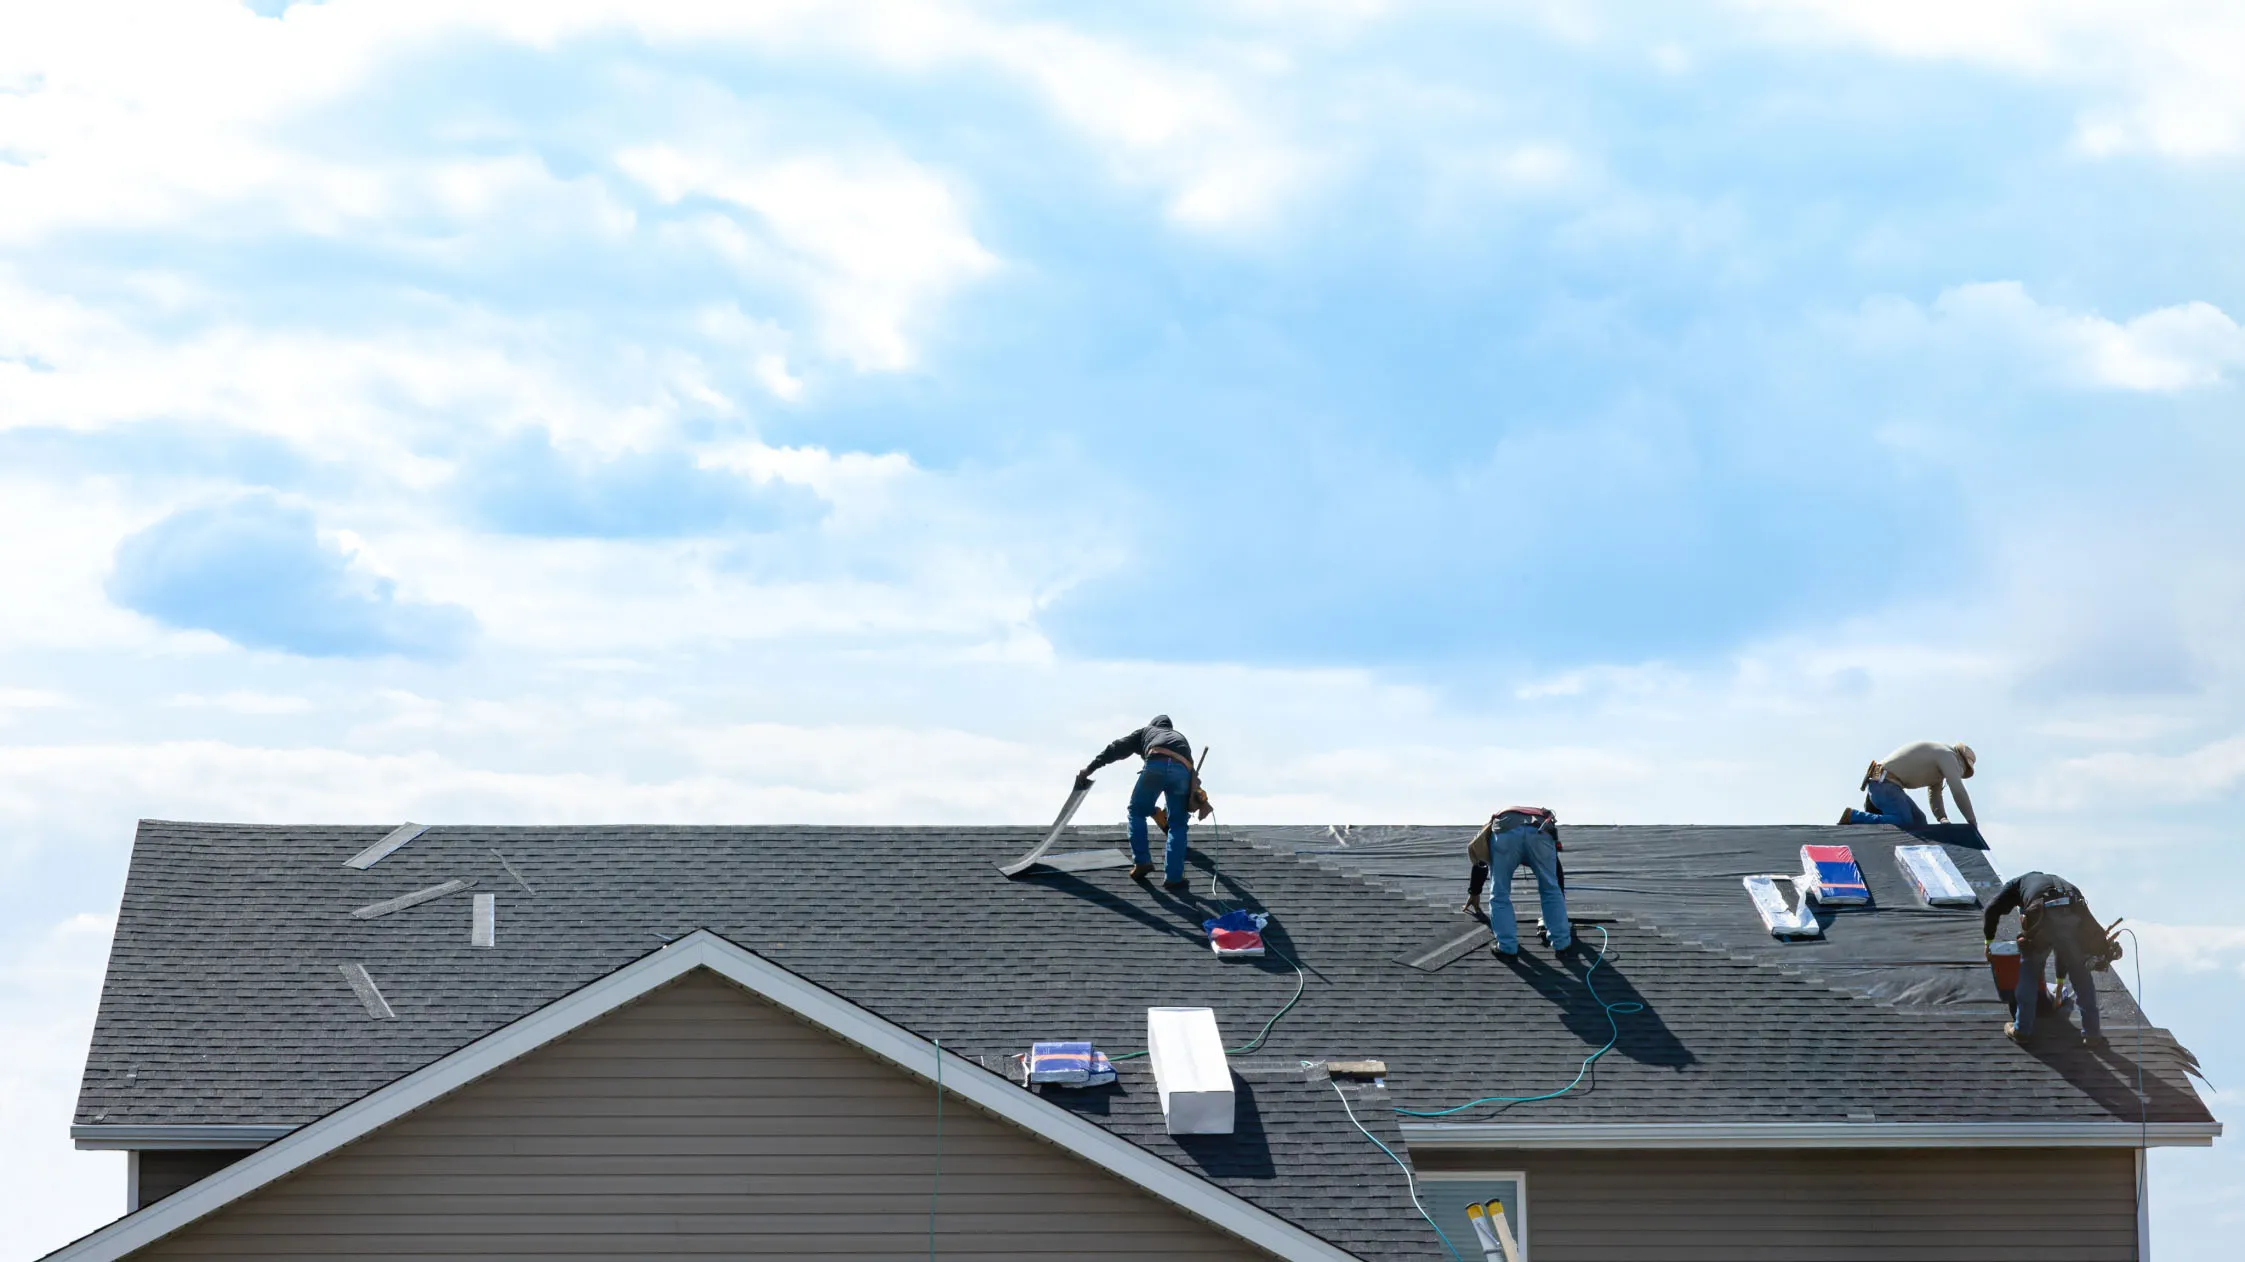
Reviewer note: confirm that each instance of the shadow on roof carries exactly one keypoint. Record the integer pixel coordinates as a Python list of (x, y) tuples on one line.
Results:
[(2108, 1074), (1644, 1037), (1243, 1154)]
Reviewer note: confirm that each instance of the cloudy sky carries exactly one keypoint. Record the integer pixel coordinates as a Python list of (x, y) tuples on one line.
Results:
[(602, 410)]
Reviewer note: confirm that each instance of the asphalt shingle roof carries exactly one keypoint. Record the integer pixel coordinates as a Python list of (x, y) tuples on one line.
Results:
[(224, 1003)]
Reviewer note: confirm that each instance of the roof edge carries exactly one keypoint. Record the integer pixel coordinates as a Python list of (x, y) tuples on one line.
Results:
[(103, 1137), (703, 949), (1545, 1135)]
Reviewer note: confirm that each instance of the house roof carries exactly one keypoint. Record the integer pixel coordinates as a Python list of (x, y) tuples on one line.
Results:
[(225, 1006), (1102, 1145)]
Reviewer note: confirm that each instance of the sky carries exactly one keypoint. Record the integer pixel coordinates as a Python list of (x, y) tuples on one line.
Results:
[(590, 410)]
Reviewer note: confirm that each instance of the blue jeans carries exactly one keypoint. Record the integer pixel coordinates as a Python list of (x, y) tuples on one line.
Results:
[(1507, 851), (2034, 962), (1889, 805), (1166, 778)]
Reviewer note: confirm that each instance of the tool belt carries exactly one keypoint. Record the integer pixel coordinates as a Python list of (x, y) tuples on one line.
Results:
[(2065, 915), (1512, 817), (1196, 798), (1872, 775)]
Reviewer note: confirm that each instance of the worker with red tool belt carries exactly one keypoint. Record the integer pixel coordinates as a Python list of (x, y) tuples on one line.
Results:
[(1515, 836), (1924, 765), (2054, 919), (1168, 774)]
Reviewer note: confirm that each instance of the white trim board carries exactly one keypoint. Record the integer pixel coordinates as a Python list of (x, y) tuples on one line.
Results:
[(703, 949), (101, 1137), (1625, 1135)]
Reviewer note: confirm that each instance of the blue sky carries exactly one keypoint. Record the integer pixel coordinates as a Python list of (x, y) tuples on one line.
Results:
[(590, 411)]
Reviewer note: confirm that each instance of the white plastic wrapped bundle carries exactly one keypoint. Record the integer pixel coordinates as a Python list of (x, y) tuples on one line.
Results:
[(1935, 875), (1780, 918)]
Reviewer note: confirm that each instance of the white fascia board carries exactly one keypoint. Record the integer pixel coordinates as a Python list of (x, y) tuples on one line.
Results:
[(703, 949), (99, 1137), (1631, 1135)]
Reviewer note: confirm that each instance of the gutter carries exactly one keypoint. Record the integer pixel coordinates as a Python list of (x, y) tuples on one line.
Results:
[(107, 1138), (1637, 1135)]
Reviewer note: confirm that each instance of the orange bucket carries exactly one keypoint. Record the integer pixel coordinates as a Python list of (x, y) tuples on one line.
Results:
[(2003, 961)]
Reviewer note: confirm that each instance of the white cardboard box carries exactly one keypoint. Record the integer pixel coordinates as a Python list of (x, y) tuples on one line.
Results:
[(1190, 1069)]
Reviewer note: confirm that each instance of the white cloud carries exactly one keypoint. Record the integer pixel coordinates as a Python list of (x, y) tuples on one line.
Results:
[(32, 699), (241, 701), (2114, 779), (2162, 75), (50, 978), (884, 238), (2170, 349), (2170, 948)]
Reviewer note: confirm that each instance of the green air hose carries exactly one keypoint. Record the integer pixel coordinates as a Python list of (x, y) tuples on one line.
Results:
[(1610, 1009), (1301, 981)]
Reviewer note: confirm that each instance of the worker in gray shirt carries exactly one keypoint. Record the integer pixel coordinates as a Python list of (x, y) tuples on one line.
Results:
[(1927, 765), (1167, 774)]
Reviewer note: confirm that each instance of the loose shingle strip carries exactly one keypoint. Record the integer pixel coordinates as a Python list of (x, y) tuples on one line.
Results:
[(391, 842), (483, 922), (403, 901), (511, 872), (369, 993)]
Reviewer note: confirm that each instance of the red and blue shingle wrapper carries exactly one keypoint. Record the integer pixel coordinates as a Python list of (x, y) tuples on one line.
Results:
[(1237, 935), (1831, 877), (1069, 1065)]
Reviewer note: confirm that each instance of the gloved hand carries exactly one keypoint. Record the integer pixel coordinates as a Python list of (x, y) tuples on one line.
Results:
[(1083, 779), (1472, 907)]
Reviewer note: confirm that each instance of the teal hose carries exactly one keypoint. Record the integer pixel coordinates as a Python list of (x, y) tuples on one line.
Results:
[(1611, 1010), (1301, 982), (1408, 1182)]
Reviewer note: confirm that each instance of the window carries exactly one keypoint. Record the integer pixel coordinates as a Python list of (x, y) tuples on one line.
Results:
[(1446, 1194)]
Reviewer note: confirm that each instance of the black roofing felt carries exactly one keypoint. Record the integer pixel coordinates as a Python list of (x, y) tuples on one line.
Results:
[(224, 1003)]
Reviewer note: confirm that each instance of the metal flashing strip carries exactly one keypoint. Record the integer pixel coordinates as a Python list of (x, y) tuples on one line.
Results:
[(483, 922), (414, 899), (702, 949), (369, 994), (1448, 950), (1082, 861), (390, 843), (1609, 1135), (1059, 825), (101, 1137)]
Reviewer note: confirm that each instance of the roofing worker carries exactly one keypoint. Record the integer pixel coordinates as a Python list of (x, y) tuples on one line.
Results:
[(1925, 765), (1514, 836), (1168, 773), (2054, 919)]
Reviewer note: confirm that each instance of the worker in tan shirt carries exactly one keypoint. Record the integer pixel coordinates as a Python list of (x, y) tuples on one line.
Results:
[(1925, 765)]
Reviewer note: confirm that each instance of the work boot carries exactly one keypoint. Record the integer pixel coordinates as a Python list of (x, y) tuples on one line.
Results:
[(2094, 1042), (1847, 815), (2011, 1031), (1501, 953), (1140, 871), (1178, 885)]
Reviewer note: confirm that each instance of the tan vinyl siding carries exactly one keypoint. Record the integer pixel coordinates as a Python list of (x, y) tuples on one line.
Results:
[(2052, 1205), (163, 1173), (699, 1122)]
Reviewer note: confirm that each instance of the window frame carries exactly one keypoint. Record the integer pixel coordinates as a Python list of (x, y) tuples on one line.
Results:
[(1476, 1174)]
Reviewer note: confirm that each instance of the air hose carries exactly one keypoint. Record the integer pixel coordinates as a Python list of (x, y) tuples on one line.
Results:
[(1301, 982), (1610, 1009), (1410, 1184)]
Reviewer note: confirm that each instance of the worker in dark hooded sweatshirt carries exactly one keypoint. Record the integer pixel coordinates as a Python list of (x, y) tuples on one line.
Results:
[(2054, 920), (1168, 773)]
